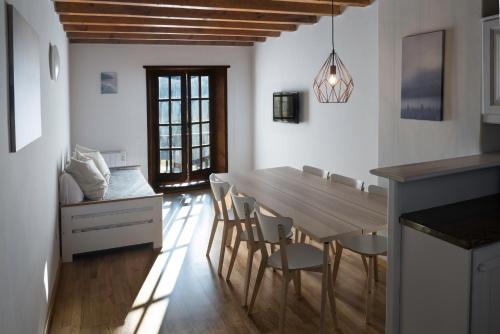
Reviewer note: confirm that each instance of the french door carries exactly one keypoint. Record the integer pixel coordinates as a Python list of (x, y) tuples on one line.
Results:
[(181, 107)]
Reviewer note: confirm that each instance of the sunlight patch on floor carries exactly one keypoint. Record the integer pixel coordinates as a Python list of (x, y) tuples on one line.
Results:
[(150, 306)]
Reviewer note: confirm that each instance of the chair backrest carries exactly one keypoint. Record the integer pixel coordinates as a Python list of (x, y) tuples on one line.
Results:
[(337, 178), (313, 170), (377, 190), (269, 225), (219, 188), (243, 205)]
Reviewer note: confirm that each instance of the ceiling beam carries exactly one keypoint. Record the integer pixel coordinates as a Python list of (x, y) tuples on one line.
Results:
[(179, 37), (163, 22), (258, 6), (166, 12), (162, 42), (168, 30)]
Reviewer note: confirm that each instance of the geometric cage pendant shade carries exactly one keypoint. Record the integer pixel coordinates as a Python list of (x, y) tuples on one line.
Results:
[(333, 84)]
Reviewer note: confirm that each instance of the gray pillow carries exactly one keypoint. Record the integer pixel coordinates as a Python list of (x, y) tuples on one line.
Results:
[(88, 177)]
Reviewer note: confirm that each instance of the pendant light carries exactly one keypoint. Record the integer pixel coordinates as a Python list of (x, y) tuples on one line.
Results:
[(333, 83)]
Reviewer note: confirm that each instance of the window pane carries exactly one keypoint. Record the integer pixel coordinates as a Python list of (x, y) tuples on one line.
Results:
[(204, 87), (195, 111), (175, 91), (195, 135), (205, 110), (163, 113), (164, 137), (205, 133), (164, 162), (195, 86), (205, 161), (176, 137), (177, 161), (176, 112), (163, 87), (195, 157)]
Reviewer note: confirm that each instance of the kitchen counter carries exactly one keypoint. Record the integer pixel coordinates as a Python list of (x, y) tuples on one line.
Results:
[(469, 224), (430, 169)]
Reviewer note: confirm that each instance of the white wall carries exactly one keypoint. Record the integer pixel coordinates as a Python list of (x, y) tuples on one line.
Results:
[(118, 121), (338, 137), (461, 132), (28, 183)]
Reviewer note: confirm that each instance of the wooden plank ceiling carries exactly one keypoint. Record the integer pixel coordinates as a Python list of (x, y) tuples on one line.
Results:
[(189, 22)]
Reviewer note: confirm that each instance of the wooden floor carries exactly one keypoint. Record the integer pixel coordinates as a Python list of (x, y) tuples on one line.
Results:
[(177, 290)]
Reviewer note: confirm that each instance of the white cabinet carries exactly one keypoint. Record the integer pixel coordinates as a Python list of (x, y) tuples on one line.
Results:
[(491, 70), (485, 317)]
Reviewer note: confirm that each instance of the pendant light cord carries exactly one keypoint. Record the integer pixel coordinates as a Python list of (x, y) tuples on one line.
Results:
[(333, 31)]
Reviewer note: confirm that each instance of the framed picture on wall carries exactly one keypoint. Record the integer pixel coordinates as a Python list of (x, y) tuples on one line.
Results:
[(109, 83), (422, 76), (23, 56)]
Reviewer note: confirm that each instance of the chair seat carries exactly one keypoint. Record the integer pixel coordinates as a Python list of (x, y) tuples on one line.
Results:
[(300, 256), (366, 244)]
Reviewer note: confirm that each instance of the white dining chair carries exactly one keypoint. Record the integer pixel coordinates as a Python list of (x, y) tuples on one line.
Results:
[(222, 214), (314, 171), (244, 207), (291, 258), (337, 178), (369, 246)]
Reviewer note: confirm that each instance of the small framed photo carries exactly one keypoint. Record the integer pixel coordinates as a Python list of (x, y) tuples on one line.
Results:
[(109, 83)]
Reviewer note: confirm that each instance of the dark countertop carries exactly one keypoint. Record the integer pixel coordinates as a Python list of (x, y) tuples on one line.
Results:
[(468, 224)]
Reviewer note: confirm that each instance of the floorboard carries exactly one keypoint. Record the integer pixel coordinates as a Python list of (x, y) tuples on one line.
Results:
[(177, 290)]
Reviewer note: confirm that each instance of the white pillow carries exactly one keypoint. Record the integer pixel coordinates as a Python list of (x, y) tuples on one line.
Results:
[(88, 177), (69, 190), (83, 152)]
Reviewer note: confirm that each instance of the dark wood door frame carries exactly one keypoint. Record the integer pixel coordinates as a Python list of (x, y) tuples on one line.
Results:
[(219, 142)]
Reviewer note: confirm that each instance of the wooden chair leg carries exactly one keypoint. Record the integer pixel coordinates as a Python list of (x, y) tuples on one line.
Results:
[(336, 264), (258, 281), (222, 249), (375, 268), (370, 274), (297, 283), (229, 238), (248, 276), (365, 263), (284, 294), (369, 289), (233, 257), (331, 297), (212, 234), (332, 247)]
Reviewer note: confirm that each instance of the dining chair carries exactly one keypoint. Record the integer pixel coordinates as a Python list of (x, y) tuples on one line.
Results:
[(244, 207), (291, 259), (244, 210), (222, 214), (368, 246), (314, 171), (337, 178)]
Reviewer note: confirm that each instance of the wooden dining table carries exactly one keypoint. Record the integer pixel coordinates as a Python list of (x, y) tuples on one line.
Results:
[(322, 210)]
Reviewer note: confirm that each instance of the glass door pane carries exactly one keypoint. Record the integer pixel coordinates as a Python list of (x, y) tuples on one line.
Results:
[(170, 127), (200, 123)]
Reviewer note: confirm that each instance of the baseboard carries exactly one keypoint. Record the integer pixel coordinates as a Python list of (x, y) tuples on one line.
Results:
[(52, 299)]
